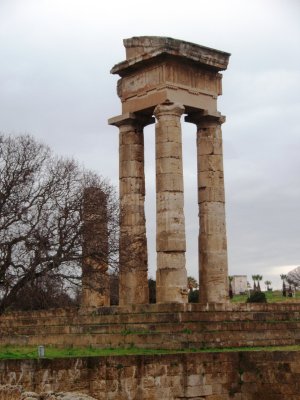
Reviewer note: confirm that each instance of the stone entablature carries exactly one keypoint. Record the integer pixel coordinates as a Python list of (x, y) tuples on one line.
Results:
[(158, 68), (166, 78)]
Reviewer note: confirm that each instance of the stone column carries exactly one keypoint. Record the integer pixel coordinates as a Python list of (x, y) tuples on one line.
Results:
[(133, 278), (171, 276), (213, 270), (95, 280)]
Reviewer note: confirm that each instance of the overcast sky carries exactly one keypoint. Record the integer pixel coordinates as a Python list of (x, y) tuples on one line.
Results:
[(55, 84)]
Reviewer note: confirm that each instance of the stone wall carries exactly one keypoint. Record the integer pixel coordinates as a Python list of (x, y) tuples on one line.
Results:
[(157, 326), (209, 376)]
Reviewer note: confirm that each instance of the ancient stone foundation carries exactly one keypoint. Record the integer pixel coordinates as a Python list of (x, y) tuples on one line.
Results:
[(166, 78), (206, 376)]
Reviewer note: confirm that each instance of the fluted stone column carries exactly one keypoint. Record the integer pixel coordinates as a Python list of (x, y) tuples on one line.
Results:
[(213, 269), (133, 279), (171, 276), (95, 279)]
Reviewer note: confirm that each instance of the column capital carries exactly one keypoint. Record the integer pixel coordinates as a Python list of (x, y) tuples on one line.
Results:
[(205, 118), (168, 108), (131, 119)]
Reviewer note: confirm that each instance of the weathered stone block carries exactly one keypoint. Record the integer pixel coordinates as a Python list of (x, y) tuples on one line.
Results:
[(170, 182), (206, 194), (166, 201), (171, 285), (170, 133), (210, 163), (129, 152), (169, 150), (133, 169), (211, 179), (169, 166), (128, 136), (132, 185), (209, 146)]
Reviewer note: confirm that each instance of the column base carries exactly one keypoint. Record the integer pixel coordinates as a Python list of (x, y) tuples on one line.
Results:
[(133, 288), (171, 286)]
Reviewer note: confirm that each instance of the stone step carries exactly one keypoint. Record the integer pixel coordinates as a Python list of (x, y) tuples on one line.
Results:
[(161, 326), (201, 326), (161, 340), (192, 316)]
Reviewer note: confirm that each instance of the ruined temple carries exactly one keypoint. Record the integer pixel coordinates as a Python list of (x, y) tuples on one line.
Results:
[(160, 80)]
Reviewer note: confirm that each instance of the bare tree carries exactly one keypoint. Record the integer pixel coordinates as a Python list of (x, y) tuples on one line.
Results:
[(41, 216)]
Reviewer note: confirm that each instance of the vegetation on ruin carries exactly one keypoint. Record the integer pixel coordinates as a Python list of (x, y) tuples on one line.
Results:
[(274, 296), (30, 352)]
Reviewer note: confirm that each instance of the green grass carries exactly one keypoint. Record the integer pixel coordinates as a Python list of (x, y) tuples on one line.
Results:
[(14, 352), (272, 297)]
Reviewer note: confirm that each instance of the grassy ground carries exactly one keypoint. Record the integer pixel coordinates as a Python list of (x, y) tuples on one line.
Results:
[(12, 352), (272, 297)]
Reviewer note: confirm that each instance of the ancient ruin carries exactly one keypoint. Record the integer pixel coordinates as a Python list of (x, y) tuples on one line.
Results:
[(166, 78), (95, 280)]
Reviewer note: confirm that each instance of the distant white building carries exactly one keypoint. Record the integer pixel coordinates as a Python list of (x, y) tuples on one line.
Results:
[(239, 284)]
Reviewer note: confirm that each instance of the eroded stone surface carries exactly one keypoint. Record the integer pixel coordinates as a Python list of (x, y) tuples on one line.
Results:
[(206, 376), (95, 280), (171, 279), (133, 280)]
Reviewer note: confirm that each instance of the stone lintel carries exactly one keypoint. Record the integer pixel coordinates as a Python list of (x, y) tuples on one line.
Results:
[(129, 117), (145, 49), (204, 116)]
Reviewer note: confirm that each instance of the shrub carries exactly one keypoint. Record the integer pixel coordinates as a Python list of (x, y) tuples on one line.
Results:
[(257, 297), (194, 296)]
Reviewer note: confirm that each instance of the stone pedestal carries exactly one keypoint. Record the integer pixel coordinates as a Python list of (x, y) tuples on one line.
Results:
[(133, 279), (95, 279), (171, 277), (213, 270)]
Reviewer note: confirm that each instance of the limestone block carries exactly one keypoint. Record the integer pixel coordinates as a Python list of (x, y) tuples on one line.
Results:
[(166, 201), (206, 194), (169, 166), (215, 260), (209, 146), (133, 169), (211, 243), (170, 133), (212, 223), (133, 218), (169, 182), (210, 163), (132, 203), (213, 130), (169, 149), (130, 152), (128, 136), (170, 260), (133, 286), (171, 285), (133, 232), (132, 185), (212, 208), (211, 179), (172, 219), (198, 390), (170, 241)]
